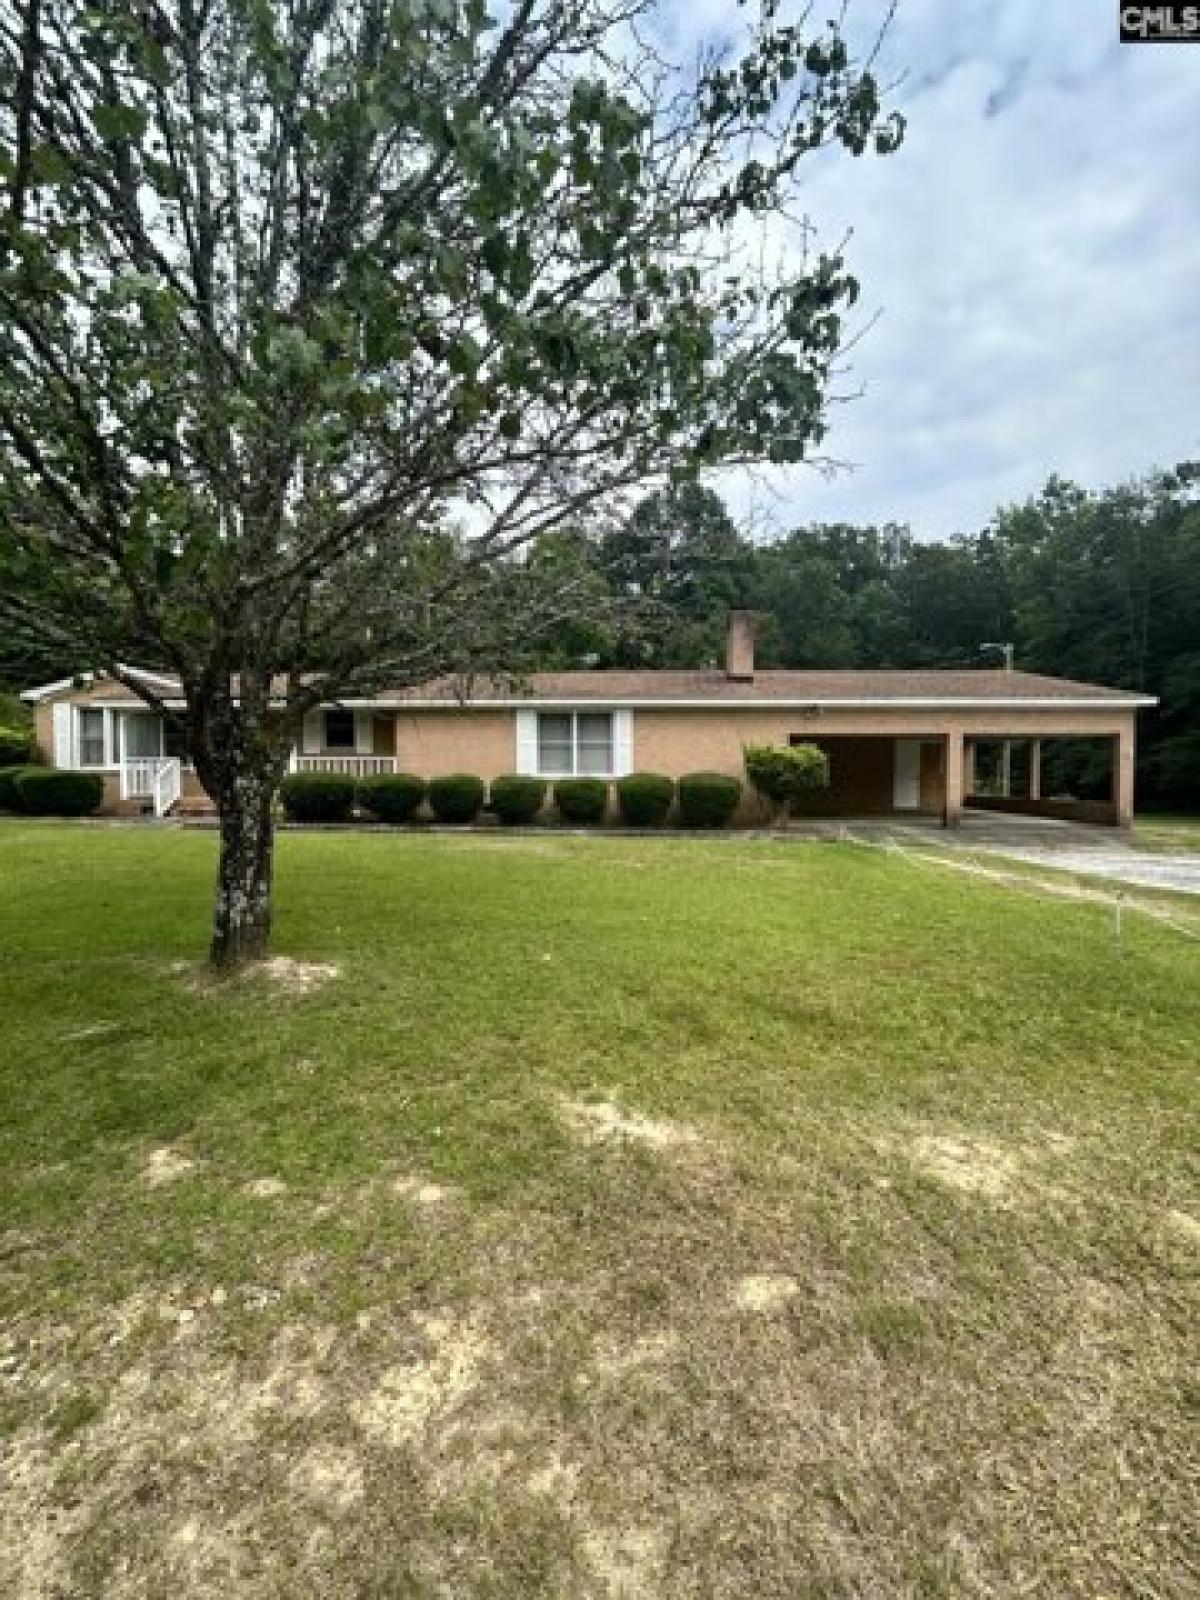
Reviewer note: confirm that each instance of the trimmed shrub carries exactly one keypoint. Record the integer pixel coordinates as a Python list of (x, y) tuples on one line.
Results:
[(645, 798), (708, 799), (583, 800), (45, 792), (10, 800), (317, 797), (16, 747), (456, 798), (392, 796), (783, 772), (517, 799)]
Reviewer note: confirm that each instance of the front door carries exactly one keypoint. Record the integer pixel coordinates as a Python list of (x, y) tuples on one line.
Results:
[(906, 775)]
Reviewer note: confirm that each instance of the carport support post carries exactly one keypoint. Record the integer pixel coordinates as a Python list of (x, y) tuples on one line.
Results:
[(1122, 775), (1035, 769), (968, 767), (952, 815)]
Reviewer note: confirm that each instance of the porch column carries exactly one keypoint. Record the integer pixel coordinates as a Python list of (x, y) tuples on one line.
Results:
[(952, 814), (1122, 774), (1035, 769)]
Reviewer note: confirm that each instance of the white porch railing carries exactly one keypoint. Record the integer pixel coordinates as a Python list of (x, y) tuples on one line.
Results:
[(346, 766), (158, 779)]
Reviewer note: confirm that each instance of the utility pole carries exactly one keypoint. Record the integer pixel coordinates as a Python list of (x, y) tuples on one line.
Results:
[(1008, 651)]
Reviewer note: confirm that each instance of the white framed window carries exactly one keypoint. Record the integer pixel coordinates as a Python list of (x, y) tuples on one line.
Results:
[(140, 734), (91, 737), (575, 744), (556, 743), (594, 744)]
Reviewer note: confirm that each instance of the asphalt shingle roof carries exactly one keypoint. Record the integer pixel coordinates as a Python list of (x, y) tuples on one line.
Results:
[(714, 686)]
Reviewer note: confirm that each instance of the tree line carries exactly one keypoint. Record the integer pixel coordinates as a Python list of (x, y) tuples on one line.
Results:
[(1101, 585)]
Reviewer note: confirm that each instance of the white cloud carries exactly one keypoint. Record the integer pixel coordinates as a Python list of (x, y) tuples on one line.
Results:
[(1034, 253)]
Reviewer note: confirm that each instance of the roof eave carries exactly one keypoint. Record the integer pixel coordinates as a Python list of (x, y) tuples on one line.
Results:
[(1118, 702)]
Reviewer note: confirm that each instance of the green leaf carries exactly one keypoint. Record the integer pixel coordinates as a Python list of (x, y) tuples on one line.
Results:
[(49, 164), (495, 253), (119, 123), (464, 354), (520, 267)]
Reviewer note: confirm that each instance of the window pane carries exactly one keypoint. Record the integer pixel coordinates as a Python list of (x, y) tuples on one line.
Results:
[(141, 736), (595, 742), (595, 761), (91, 738), (339, 730), (554, 744)]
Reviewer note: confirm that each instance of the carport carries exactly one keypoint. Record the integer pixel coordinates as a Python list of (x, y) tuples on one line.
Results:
[(1015, 786), (878, 775), (928, 762)]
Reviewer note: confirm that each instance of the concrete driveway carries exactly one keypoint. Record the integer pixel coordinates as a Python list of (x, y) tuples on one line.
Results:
[(1074, 847), (1119, 864)]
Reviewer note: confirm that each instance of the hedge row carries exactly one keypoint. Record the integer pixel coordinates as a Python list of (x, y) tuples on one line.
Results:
[(16, 747), (45, 792), (644, 799)]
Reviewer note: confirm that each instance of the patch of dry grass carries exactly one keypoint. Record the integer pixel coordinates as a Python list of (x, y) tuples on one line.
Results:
[(857, 1254), (686, 1388)]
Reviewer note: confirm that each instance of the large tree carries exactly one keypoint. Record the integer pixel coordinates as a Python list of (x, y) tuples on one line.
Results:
[(285, 283), (674, 566), (1106, 585)]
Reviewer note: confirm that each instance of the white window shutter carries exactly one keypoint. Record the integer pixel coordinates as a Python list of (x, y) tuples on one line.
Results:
[(527, 743), (310, 737), (364, 734), (622, 743), (64, 734)]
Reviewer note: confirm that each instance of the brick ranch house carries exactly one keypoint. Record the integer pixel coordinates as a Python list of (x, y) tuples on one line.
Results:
[(899, 742)]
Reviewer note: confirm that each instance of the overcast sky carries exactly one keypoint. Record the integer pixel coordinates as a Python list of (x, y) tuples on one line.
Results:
[(1033, 252)]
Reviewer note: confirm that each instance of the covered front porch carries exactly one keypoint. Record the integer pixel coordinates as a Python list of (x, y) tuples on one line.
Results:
[(351, 743), (144, 765)]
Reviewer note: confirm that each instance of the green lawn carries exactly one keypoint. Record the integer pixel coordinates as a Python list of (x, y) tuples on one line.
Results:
[(1167, 832), (608, 1218)]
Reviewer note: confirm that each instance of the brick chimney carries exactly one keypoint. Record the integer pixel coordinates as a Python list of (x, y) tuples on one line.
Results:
[(739, 647)]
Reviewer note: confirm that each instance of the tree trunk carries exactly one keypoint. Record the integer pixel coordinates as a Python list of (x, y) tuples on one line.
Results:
[(242, 913), (240, 747)]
